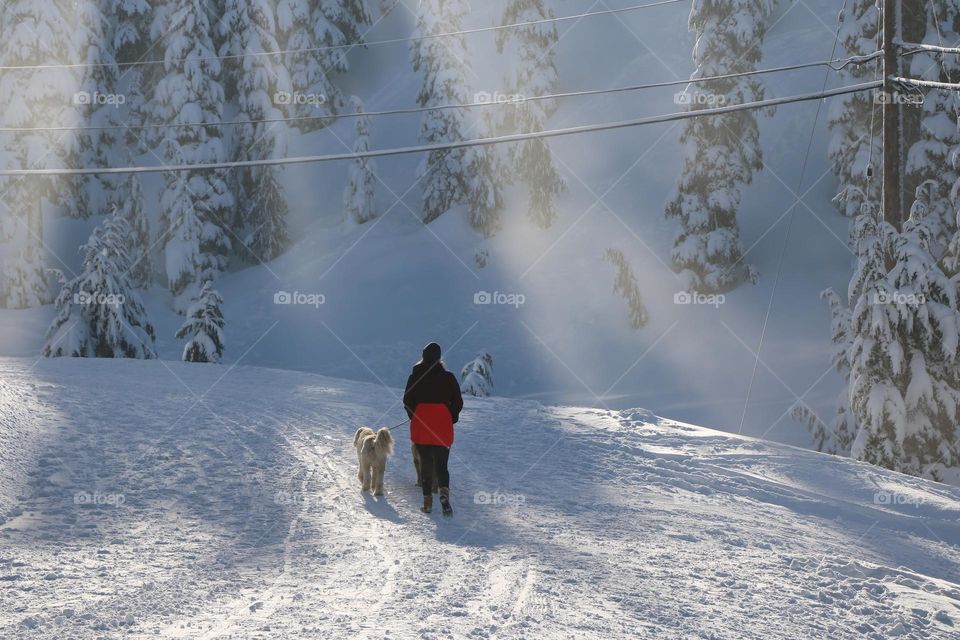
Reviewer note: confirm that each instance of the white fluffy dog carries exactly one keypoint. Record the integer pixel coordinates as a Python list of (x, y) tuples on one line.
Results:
[(373, 449)]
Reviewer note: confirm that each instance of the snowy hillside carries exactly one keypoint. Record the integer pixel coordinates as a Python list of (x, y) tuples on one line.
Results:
[(153, 500)]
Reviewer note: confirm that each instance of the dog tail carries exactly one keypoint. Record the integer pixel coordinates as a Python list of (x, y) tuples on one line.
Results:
[(356, 437), (384, 440)]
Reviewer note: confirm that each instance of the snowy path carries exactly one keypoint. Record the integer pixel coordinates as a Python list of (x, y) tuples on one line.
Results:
[(155, 499)]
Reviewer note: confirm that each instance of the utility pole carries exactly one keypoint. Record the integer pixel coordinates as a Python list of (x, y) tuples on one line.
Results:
[(892, 190)]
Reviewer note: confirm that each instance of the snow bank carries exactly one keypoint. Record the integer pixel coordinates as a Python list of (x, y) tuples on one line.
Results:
[(171, 500)]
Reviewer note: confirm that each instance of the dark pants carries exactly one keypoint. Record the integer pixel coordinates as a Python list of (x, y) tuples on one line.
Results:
[(433, 464)]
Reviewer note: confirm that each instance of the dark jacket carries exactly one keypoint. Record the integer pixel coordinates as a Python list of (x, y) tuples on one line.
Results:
[(433, 403)]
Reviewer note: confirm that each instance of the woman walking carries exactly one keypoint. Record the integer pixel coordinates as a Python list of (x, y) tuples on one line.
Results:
[(433, 403)]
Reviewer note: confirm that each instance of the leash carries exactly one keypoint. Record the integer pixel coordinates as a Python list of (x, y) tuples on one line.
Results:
[(397, 426)]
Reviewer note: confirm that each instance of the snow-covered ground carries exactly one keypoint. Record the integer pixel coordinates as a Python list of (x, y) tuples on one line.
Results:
[(155, 499)]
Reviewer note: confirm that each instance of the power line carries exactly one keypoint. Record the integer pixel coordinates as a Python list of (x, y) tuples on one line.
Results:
[(842, 62), (351, 45), (516, 137), (913, 47), (930, 84)]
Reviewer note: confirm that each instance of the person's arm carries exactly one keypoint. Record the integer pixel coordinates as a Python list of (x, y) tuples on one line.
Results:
[(456, 404), (408, 402)]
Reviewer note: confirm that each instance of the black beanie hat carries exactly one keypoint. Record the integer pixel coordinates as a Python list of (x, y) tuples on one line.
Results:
[(431, 353)]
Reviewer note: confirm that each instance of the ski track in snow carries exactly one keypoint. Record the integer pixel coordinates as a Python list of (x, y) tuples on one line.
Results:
[(162, 500)]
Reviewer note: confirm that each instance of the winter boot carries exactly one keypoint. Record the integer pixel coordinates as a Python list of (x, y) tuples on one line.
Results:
[(445, 501), (427, 504)]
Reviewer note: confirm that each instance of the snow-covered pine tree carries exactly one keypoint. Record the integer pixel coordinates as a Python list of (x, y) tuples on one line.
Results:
[(722, 152), (359, 197), (194, 205), (129, 205), (305, 25), (68, 334), (248, 27), (855, 120), (626, 285), (454, 176), (476, 378), (440, 172), (204, 327), (534, 73), (97, 103), (928, 168), (906, 382), (897, 346), (99, 313)]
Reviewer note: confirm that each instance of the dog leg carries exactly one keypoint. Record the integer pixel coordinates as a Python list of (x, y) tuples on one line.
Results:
[(381, 469), (367, 477), (416, 464)]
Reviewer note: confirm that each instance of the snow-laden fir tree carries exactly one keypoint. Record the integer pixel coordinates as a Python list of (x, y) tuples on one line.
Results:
[(856, 156), (99, 313), (721, 153), (928, 168), (194, 205), (305, 28), (359, 197), (249, 30), (905, 377), (625, 284), (453, 176), (476, 377), (204, 327), (130, 206), (96, 103), (533, 73), (68, 334), (900, 345)]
